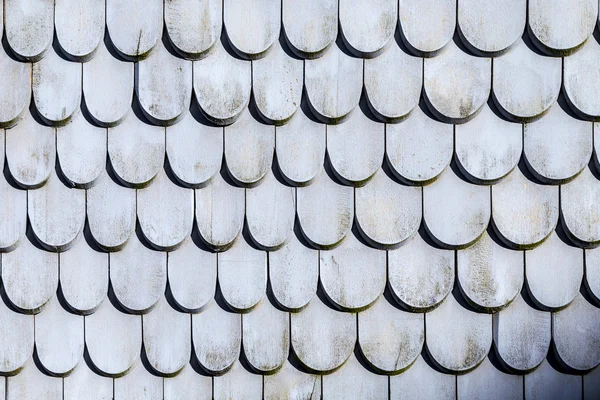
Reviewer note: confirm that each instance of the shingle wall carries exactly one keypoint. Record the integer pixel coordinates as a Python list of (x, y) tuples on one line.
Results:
[(299, 199)]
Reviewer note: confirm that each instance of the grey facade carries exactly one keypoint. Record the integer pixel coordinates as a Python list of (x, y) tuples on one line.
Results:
[(299, 199)]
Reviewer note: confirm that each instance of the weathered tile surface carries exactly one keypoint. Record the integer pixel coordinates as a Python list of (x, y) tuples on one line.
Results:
[(335, 199)]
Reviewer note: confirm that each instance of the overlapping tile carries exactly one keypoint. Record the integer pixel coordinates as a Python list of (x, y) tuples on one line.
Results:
[(299, 200)]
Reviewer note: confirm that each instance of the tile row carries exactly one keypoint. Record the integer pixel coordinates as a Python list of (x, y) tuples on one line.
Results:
[(293, 349), (458, 298), (214, 181), (351, 381), (194, 26), (454, 85), (418, 275)]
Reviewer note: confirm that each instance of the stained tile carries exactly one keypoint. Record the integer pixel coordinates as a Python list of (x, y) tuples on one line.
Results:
[(29, 27), (222, 86), (13, 214), (390, 339), (194, 26), (457, 339), (522, 335), (266, 337), (525, 84), (559, 27), (277, 85), (217, 338), (367, 28), (164, 86), (16, 79), (107, 87), (391, 73), (355, 148), (270, 212), (334, 69), (56, 214), (30, 152), (557, 147), (419, 148), (165, 212), (387, 213), (136, 150), (300, 149), (524, 213), (138, 276), (56, 87), (352, 275), (592, 272), (490, 275), (59, 338), (79, 27), (167, 340), (252, 26), (580, 210), (582, 79), (420, 275), (310, 26), (325, 211), (456, 85), (488, 148), (113, 339), (322, 338), (17, 346), (427, 26), (554, 271), (491, 28), (575, 334), (135, 26)]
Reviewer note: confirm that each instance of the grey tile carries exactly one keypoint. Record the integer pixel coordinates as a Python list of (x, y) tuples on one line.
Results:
[(167, 338), (310, 26), (222, 85), (252, 26), (458, 99), (135, 26), (491, 28), (427, 26), (138, 276), (79, 26), (334, 69), (29, 27), (368, 27), (194, 26), (525, 84)]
